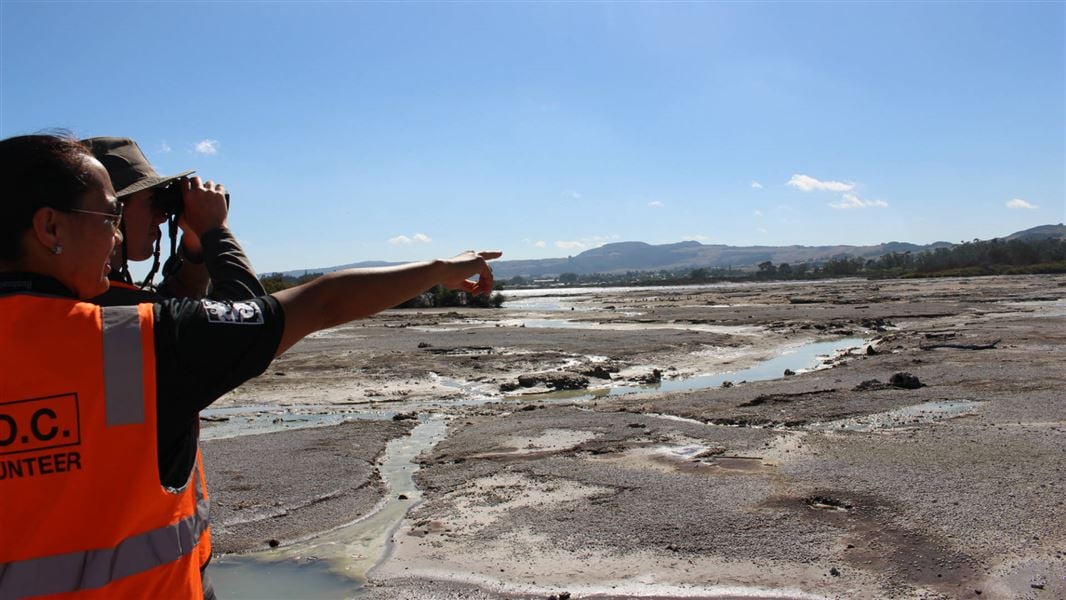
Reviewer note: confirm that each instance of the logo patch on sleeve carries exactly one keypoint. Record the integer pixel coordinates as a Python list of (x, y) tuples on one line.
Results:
[(240, 313)]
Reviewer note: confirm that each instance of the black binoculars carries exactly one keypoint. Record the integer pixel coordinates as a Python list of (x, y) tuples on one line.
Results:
[(168, 199)]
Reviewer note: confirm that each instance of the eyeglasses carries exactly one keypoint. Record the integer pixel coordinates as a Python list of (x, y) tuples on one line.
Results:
[(114, 219)]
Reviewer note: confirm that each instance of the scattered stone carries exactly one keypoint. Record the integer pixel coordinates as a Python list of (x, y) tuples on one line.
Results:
[(789, 372), (408, 416), (279, 373), (655, 376), (424, 344), (556, 381), (273, 543), (509, 386), (871, 352), (727, 384), (905, 380), (402, 497), (877, 324), (637, 425), (834, 572), (600, 372)]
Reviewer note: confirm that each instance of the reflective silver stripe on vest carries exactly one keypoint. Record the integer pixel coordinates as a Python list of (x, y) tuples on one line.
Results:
[(91, 569), (123, 366)]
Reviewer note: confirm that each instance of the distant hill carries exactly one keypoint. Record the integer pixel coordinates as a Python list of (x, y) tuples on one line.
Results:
[(1041, 232), (639, 256)]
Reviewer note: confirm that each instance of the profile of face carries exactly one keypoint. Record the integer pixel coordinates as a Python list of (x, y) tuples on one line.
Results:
[(88, 240), (142, 224)]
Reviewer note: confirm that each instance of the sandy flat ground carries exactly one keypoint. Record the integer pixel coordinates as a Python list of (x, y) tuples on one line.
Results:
[(807, 486)]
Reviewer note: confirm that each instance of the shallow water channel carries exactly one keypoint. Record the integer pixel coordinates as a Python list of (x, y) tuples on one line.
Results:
[(335, 564)]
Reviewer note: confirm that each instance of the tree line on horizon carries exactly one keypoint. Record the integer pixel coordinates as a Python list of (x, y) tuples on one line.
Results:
[(968, 259)]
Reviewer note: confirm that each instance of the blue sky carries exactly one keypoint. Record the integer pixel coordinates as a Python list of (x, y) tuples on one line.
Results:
[(401, 131)]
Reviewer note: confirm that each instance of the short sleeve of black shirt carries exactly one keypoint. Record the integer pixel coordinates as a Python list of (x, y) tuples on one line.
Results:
[(203, 349)]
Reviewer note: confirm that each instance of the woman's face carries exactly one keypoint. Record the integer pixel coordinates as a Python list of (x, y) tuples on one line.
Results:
[(142, 225), (88, 239)]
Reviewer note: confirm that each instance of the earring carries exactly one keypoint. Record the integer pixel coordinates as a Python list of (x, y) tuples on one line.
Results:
[(57, 250)]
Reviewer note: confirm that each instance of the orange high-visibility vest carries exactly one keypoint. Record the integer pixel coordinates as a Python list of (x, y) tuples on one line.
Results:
[(82, 510)]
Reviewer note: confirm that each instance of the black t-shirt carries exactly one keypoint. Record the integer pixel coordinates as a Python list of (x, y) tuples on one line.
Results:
[(203, 349)]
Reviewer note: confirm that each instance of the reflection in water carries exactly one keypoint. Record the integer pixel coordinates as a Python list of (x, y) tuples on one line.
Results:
[(798, 359)]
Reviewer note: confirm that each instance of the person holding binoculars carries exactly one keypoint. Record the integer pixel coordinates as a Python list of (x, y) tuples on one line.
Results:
[(208, 263)]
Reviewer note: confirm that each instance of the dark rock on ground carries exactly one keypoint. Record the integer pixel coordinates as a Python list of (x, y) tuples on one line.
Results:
[(905, 380)]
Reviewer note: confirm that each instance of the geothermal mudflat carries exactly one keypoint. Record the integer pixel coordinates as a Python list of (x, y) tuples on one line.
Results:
[(851, 480)]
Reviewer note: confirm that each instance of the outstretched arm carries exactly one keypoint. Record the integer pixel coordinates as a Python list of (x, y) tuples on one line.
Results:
[(343, 296)]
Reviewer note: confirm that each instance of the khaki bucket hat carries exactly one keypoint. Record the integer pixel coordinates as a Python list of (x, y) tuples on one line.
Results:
[(127, 166)]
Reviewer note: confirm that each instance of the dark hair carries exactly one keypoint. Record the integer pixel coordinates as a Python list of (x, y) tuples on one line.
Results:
[(38, 171)]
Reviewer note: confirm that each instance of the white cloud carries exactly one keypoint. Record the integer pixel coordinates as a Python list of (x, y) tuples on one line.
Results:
[(755, 185), (849, 201), (539, 244), (164, 147), (758, 213), (207, 147), (418, 238), (573, 194), (807, 183), (655, 204), (1019, 203), (695, 237), (761, 230), (572, 245)]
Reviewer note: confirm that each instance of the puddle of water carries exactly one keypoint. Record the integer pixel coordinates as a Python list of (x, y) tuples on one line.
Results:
[(907, 416), (313, 580), (334, 564), (798, 359), (683, 451)]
